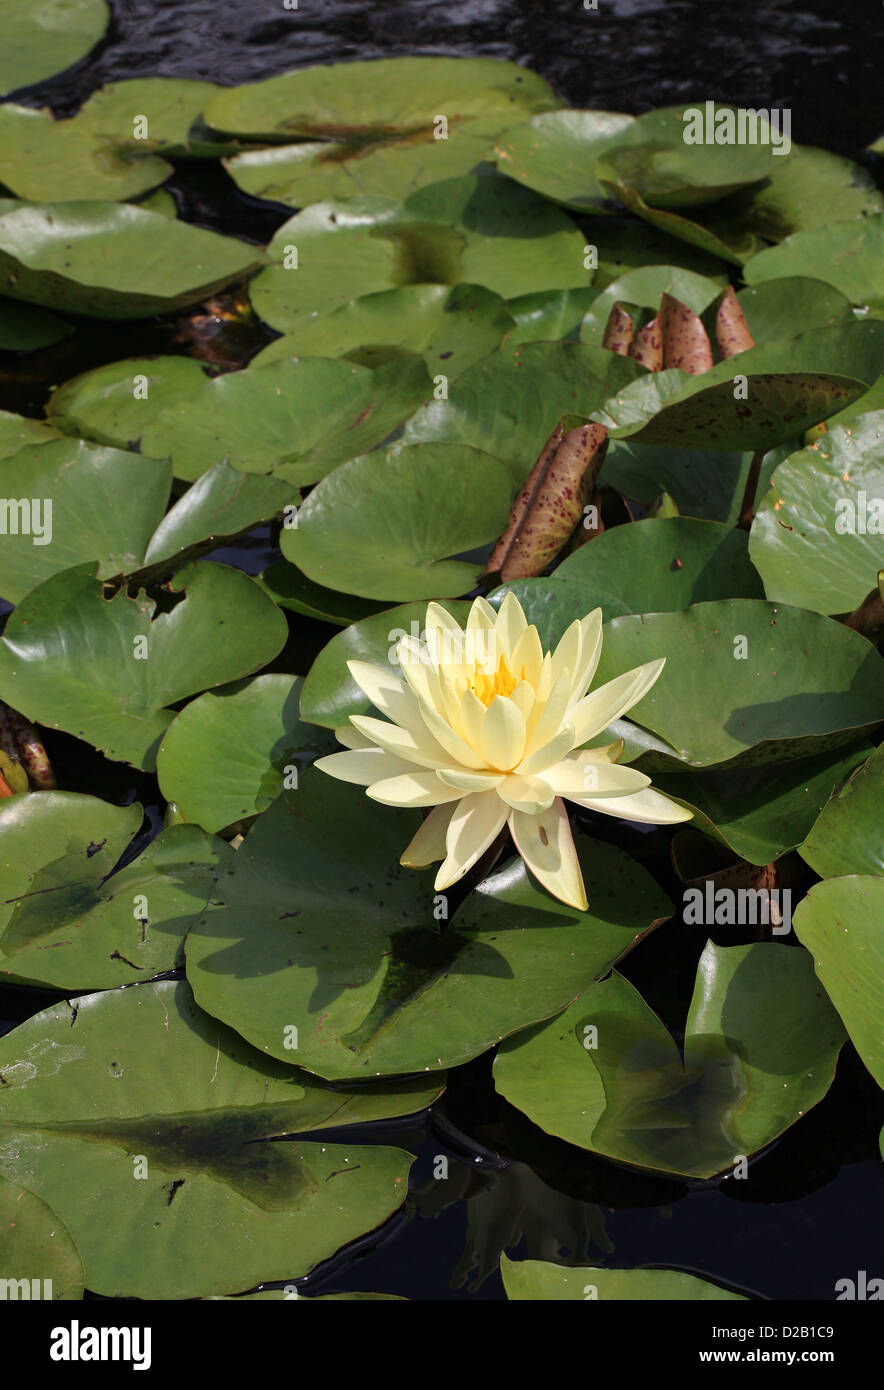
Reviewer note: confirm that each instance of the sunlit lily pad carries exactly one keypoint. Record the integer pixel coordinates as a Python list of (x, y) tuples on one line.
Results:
[(80, 257), (509, 405), (323, 929), (788, 307), (41, 157), (549, 315), (788, 387), (535, 1281), (818, 536), (18, 430), (555, 154), (36, 1248), (139, 1119), (848, 838), (229, 754), (107, 670), (43, 37), (296, 419), (291, 589), (73, 927), (450, 328), (373, 127), (114, 404), (760, 1049), (841, 922), (382, 525), (847, 255), (789, 683), (146, 114)]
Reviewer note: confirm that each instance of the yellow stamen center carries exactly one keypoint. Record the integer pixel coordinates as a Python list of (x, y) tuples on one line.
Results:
[(503, 682)]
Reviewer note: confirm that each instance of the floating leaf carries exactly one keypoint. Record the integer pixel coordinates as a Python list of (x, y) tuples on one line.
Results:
[(450, 328), (846, 255), (33, 1239), (555, 153), (114, 404), (531, 388), (467, 231), (142, 1074), (789, 683), (536, 1280), (296, 419), (848, 837), (788, 307), (107, 670), (549, 315), (41, 157), (80, 257), (382, 525), (43, 37), (290, 589), (840, 923), (228, 754), (18, 430), (760, 1049), (788, 386), (145, 114), (818, 535), (24, 328), (322, 928)]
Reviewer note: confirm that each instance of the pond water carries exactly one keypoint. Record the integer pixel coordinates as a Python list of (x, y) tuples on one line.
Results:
[(802, 1222)]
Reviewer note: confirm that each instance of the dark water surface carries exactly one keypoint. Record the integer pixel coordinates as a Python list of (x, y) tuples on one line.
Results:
[(806, 1216)]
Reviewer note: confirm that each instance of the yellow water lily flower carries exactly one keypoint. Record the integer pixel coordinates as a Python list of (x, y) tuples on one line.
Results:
[(487, 729)]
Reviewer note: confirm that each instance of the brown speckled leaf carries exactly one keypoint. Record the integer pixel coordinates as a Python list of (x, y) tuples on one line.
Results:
[(731, 329), (619, 331), (685, 341), (551, 503), (647, 346)]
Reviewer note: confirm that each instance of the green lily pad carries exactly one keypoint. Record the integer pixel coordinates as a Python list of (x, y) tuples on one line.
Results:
[(846, 255), (678, 560), (330, 694), (509, 405), (114, 404), (43, 37), (107, 670), (724, 235), (373, 126), (841, 922), (644, 287), (291, 589), (296, 419), (818, 536), (25, 328), (160, 201), (760, 1049), (80, 257), (704, 483), (323, 929), (555, 153), (36, 1248), (549, 315), (787, 683), (18, 430), (536, 1280), (140, 1120), (146, 114), (41, 157), (76, 928), (381, 525), (848, 838), (788, 307), (552, 604), (788, 387), (450, 328), (57, 483), (467, 231), (218, 506), (811, 188), (228, 754), (762, 812)]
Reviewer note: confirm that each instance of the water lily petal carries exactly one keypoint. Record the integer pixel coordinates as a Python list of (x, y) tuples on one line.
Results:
[(526, 793), (601, 707), (352, 738), (363, 766), (511, 623), (415, 747), (568, 653), (427, 845), (578, 776), (387, 692), (527, 655), (547, 847), (475, 824), (648, 807), (551, 752), (503, 734), (549, 717), (590, 653), (470, 781), (455, 746), (413, 789)]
